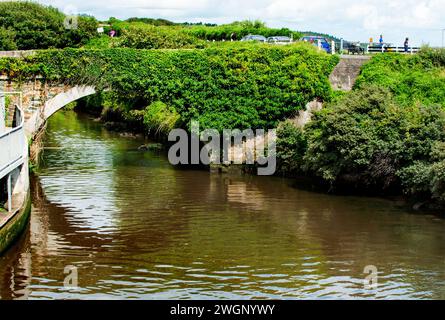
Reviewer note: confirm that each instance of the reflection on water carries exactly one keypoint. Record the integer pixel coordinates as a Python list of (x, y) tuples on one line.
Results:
[(135, 227)]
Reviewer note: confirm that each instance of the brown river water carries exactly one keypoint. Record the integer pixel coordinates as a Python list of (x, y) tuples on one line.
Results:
[(136, 227)]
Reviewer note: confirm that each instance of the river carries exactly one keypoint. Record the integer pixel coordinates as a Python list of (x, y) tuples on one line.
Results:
[(132, 226)]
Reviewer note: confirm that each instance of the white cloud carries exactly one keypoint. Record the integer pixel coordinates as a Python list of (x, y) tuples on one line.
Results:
[(421, 20)]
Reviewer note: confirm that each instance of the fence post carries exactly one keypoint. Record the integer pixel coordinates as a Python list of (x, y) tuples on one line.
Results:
[(319, 44), (333, 47), (9, 193), (412, 50), (383, 48), (367, 49), (341, 45)]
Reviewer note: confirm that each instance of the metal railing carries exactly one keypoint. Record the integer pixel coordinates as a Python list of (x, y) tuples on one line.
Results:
[(12, 145), (384, 48)]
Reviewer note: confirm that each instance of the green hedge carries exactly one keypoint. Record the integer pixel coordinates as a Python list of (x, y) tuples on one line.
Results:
[(230, 86)]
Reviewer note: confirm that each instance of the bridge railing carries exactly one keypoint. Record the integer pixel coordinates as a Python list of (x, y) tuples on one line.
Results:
[(384, 48), (12, 144)]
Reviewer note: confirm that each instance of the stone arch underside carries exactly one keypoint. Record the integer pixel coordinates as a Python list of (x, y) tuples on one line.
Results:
[(51, 106)]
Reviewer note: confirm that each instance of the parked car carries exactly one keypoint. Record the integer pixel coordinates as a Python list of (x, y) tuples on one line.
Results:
[(279, 40), (315, 39), (253, 37), (353, 47)]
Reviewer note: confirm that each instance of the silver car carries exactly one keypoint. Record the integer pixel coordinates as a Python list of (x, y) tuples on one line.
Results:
[(252, 37), (279, 40)]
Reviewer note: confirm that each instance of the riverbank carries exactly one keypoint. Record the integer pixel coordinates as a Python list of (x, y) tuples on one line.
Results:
[(346, 186)]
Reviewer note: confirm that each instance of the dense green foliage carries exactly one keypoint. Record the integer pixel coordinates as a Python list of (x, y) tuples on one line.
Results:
[(7, 39), (160, 119), (291, 148), (412, 78), (28, 25), (228, 86), (142, 34), (388, 134), (369, 139)]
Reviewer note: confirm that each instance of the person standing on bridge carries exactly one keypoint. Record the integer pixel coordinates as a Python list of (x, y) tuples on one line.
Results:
[(406, 45), (381, 40)]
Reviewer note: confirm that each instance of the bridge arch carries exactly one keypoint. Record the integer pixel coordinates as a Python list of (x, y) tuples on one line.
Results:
[(37, 119)]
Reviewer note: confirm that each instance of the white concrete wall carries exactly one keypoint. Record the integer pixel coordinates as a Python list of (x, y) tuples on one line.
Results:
[(2, 112)]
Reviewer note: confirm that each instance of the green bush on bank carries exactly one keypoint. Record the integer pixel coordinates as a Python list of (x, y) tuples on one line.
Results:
[(368, 138), (291, 147), (160, 119), (228, 86)]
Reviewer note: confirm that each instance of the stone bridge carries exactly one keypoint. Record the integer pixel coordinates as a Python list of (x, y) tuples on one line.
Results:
[(40, 100)]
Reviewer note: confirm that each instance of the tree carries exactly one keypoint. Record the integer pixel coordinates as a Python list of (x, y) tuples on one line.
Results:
[(33, 26)]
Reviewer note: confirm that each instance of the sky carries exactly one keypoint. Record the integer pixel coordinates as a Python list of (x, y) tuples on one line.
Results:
[(356, 20)]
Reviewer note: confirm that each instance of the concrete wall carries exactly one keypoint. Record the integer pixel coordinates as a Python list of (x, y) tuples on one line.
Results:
[(16, 54), (346, 72), (2, 110)]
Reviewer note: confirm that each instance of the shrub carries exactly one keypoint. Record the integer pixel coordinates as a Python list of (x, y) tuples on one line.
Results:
[(160, 119), (370, 140), (238, 30), (426, 178), (142, 36), (291, 148)]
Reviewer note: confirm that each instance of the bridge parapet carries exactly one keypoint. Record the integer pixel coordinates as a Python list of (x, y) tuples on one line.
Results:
[(17, 53)]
